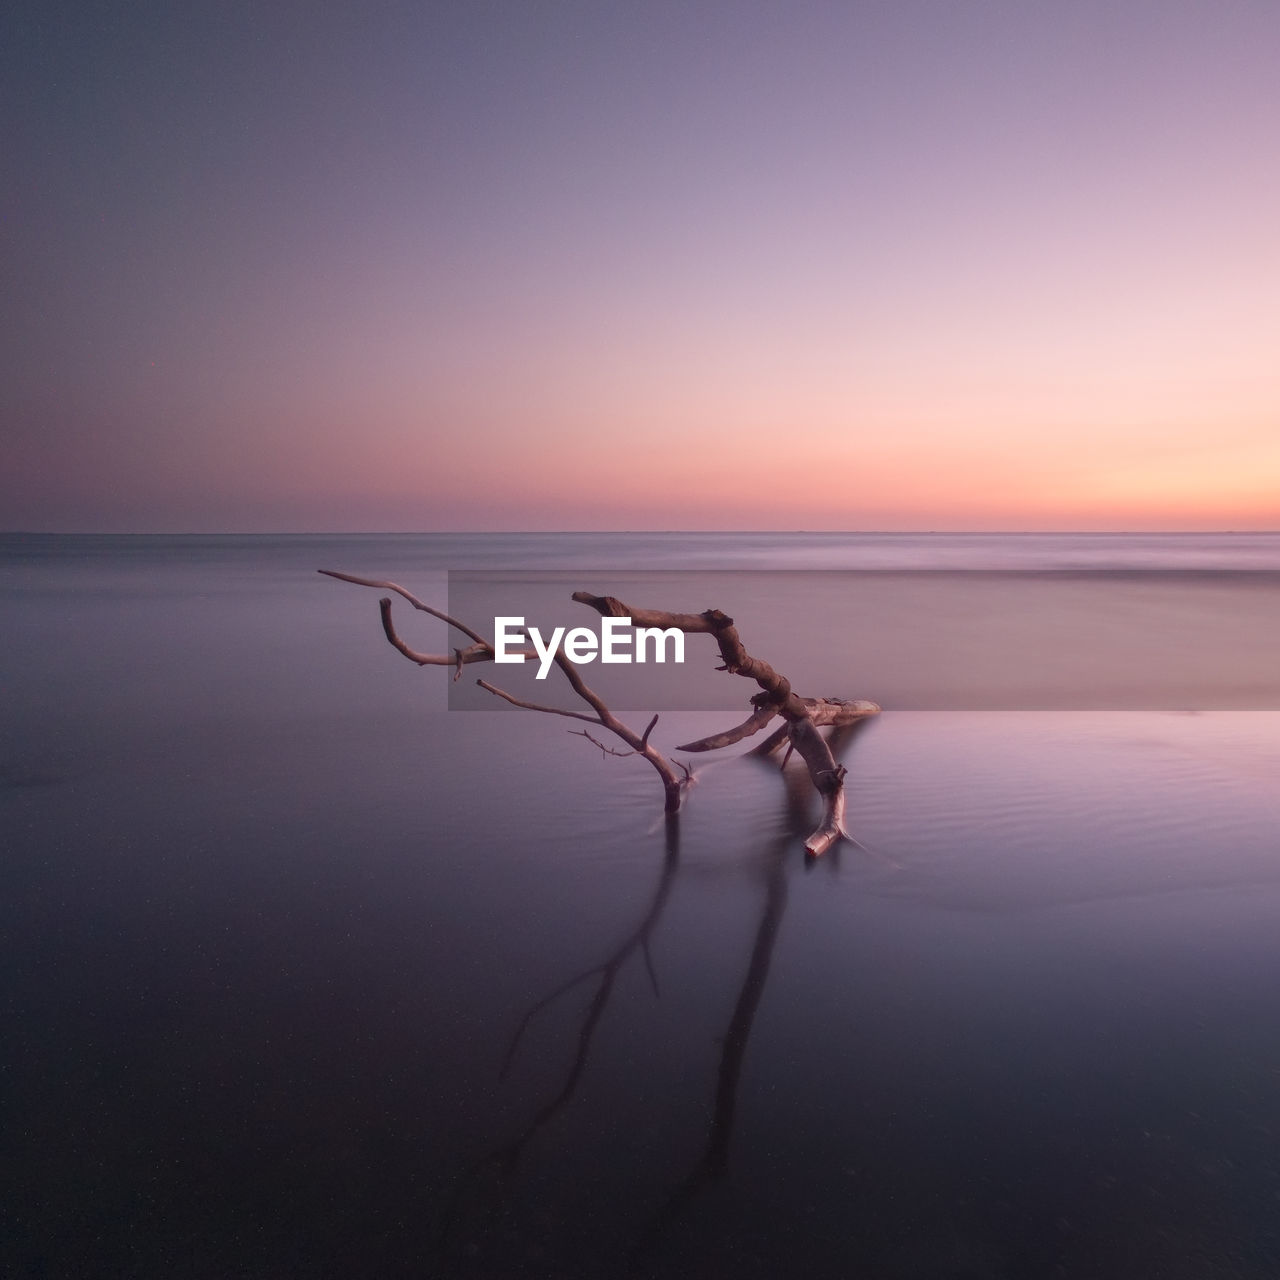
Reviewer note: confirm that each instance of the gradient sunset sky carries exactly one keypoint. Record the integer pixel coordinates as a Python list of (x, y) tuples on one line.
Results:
[(918, 264)]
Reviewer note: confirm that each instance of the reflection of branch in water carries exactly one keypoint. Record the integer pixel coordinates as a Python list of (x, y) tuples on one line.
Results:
[(715, 1156), (607, 973), (499, 1165), (503, 1160)]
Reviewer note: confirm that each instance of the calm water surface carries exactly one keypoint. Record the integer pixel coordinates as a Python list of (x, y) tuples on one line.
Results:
[(306, 975)]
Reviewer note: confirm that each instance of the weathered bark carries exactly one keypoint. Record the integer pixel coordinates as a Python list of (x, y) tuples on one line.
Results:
[(753, 724), (822, 711), (802, 715)]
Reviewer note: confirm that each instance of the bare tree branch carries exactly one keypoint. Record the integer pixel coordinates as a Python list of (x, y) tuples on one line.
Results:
[(534, 706), (609, 751), (480, 652), (778, 697), (838, 712), (753, 724), (382, 585), (803, 716), (473, 653), (673, 783), (772, 742), (835, 712)]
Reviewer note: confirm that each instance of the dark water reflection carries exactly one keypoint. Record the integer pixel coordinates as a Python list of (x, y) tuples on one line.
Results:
[(270, 926), (472, 1240), (260, 992)]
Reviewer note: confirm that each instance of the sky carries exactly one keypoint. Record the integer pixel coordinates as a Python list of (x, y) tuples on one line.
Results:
[(913, 264)]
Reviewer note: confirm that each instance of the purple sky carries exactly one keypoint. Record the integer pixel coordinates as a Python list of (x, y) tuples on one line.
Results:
[(555, 265)]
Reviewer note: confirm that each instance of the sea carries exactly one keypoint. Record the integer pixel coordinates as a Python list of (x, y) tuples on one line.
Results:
[(320, 963)]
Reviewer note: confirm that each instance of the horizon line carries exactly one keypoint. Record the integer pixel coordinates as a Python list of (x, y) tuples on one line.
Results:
[(552, 533)]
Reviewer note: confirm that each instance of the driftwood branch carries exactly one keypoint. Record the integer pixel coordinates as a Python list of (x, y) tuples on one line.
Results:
[(772, 742), (479, 652), (803, 716), (382, 585), (613, 751), (604, 747), (753, 724), (473, 653), (534, 706), (822, 711), (675, 778)]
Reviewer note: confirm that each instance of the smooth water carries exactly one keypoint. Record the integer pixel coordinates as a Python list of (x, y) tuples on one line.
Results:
[(306, 975)]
